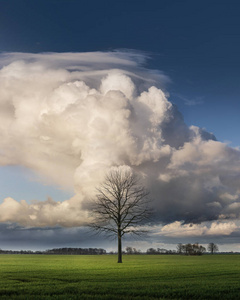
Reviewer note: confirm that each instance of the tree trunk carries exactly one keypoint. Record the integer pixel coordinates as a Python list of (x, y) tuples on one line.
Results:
[(119, 248)]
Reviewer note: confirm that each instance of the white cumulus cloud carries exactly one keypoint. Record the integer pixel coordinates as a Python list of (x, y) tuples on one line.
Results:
[(70, 117)]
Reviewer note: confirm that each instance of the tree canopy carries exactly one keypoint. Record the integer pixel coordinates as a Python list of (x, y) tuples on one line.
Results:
[(121, 205)]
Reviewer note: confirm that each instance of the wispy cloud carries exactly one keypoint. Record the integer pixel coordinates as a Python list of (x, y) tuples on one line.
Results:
[(190, 101)]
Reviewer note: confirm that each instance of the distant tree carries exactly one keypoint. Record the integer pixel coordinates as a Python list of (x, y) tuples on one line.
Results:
[(135, 251), (180, 248), (129, 250), (120, 206), (198, 249), (189, 249), (152, 251), (202, 250), (212, 248)]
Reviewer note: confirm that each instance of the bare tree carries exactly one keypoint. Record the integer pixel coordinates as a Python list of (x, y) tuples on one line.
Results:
[(121, 205), (212, 248), (180, 248)]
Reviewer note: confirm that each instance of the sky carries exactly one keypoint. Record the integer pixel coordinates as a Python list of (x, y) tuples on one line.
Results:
[(86, 86)]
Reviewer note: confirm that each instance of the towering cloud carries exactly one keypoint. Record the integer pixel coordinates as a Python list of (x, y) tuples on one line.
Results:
[(71, 117)]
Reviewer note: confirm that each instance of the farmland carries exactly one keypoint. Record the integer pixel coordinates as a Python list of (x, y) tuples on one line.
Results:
[(100, 277)]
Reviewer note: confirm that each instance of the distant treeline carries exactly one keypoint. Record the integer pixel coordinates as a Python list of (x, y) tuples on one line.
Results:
[(77, 251), (187, 249), (131, 250), (182, 249), (62, 251)]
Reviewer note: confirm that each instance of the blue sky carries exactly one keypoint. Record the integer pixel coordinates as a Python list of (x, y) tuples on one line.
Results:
[(196, 44)]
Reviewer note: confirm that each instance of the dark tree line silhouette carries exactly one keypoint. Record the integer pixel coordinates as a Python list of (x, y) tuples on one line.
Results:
[(60, 251), (191, 249), (184, 249), (77, 251), (160, 251)]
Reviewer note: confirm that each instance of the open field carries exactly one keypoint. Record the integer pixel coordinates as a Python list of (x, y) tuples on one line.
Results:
[(100, 277)]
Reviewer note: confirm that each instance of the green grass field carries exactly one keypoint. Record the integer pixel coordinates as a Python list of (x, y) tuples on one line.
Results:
[(100, 277)]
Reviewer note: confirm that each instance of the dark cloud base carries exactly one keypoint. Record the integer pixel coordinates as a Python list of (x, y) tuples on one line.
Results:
[(15, 237)]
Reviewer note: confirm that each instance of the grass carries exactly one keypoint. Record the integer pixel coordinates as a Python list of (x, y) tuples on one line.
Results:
[(100, 277)]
